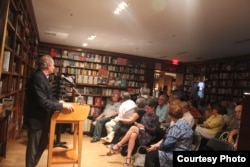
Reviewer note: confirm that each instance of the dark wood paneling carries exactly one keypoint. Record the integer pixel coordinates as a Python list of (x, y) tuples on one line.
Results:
[(244, 136)]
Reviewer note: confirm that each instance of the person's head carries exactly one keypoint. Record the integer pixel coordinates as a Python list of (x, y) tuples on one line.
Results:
[(125, 96), (141, 102), (175, 112), (162, 99), (116, 97), (184, 106), (173, 97), (217, 108), (238, 111), (46, 64), (211, 104), (145, 84), (151, 105), (224, 103)]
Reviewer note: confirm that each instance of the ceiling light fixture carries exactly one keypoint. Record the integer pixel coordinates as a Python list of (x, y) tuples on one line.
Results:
[(92, 37), (120, 7), (56, 34), (85, 44)]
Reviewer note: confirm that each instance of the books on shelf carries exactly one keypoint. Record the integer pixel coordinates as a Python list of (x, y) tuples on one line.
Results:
[(103, 76), (1, 86), (90, 100), (6, 61), (8, 103), (95, 111)]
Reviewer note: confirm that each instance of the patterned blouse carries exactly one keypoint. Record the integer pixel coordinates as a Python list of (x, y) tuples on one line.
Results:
[(151, 124), (178, 138)]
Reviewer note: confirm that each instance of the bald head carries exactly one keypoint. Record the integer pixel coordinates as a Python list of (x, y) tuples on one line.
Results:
[(238, 111)]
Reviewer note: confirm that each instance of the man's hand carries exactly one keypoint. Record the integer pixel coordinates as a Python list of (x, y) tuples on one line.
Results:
[(69, 108)]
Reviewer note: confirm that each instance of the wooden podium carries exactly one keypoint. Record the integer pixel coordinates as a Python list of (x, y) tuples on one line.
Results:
[(71, 155)]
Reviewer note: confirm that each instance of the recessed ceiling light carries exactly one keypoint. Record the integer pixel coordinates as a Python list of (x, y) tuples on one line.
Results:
[(120, 7), (85, 44), (92, 37)]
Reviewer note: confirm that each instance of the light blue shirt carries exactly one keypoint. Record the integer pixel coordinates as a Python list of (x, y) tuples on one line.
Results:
[(162, 112)]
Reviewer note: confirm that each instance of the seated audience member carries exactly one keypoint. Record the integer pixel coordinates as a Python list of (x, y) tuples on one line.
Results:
[(186, 113), (126, 111), (231, 108), (162, 109), (231, 122), (145, 91), (233, 134), (179, 92), (110, 111), (194, 109), (144, 131), (127, 123), (178, 138), (185, 108), (208, 112), (213, 124), (202, 106)]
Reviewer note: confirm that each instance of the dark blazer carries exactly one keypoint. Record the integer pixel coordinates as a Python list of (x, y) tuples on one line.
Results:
[(40, 103)]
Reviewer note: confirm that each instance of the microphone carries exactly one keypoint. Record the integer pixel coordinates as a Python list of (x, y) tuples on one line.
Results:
[(69, 81)]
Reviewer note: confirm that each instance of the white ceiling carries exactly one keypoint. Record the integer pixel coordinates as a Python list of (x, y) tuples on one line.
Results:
[(188, 30)]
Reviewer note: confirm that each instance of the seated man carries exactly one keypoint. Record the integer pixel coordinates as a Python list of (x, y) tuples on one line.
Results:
[(162, 109), (233, 134), (126, 111), (110, 111)]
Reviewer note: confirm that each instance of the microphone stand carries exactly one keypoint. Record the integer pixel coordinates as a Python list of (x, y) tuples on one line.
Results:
[(80, 97), (80, 100)]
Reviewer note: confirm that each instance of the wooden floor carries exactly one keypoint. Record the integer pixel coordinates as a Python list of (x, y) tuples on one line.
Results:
[(93, 154)]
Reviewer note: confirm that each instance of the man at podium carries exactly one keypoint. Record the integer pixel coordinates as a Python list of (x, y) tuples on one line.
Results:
[(39, 107)]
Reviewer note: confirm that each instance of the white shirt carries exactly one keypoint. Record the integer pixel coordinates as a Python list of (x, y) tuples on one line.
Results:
[(126, 109)]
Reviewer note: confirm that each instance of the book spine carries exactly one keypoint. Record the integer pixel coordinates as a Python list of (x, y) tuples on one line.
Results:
[(6, 61)]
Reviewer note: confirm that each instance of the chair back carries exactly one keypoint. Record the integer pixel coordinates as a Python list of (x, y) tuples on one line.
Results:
[(219, 145), (222, 135)]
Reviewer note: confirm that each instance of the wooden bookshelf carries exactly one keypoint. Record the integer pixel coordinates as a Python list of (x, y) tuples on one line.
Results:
[(97, 74), (18, 55), (225, 79)]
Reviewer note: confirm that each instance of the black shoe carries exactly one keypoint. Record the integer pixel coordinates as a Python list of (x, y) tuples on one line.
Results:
[(94, 140)]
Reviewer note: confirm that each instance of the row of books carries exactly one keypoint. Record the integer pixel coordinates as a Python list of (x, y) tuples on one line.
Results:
[(219, 67), (97, 101), (111, 81), (77, 71), (91, 57), (96, 66), (96, 91), (7, 64)]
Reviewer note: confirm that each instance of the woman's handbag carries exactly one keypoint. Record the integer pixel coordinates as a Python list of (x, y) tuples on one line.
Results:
[(140, 156)]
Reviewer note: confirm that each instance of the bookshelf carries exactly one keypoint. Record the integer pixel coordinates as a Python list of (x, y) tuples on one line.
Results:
[(97, 74), (225, 79), (194, 73), (18, 55)]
